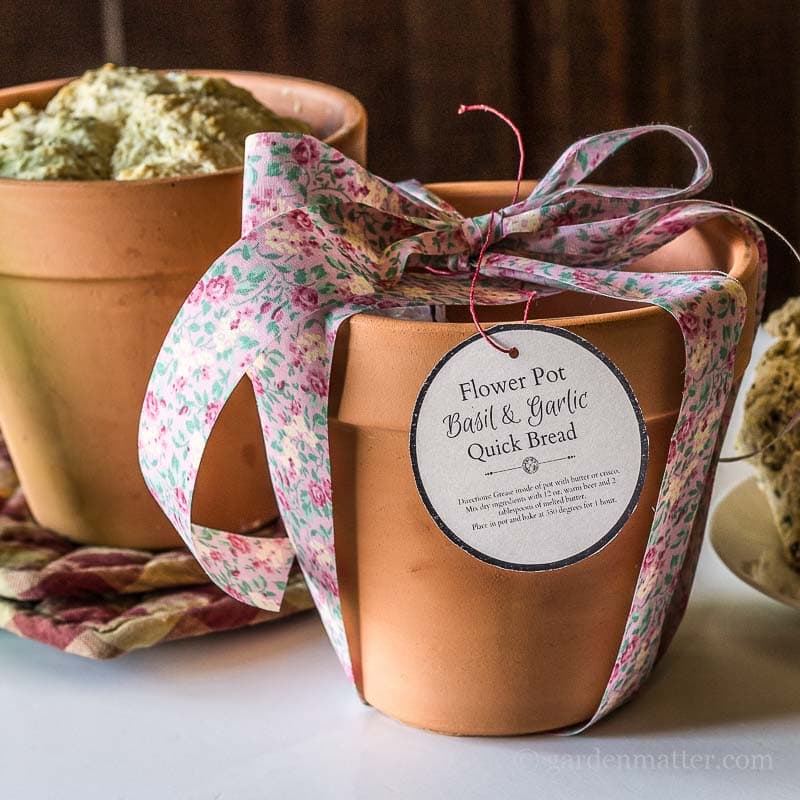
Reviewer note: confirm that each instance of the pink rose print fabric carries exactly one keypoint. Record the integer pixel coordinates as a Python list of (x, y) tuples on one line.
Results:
[(323, 239)]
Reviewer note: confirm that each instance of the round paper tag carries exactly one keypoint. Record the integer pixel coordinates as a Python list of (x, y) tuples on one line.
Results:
[(528, 463)]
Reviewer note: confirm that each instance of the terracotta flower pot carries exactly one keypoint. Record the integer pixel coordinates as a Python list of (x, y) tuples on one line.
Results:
[(444, 641), (91, 276)]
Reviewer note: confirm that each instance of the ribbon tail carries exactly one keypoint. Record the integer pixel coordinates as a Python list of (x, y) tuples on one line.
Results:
[(229, 559)]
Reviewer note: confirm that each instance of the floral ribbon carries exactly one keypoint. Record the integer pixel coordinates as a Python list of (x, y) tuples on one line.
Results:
[(323, 239)]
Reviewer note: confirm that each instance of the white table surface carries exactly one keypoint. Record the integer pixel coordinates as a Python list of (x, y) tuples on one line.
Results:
[(267, 713)]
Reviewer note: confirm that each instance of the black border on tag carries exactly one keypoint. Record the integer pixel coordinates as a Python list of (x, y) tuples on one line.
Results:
[(644, 438)]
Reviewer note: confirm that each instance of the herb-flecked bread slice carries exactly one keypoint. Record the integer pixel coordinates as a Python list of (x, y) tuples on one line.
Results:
[(771, 402)]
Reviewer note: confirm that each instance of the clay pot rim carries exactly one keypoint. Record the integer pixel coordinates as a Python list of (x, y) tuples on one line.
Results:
[(353, 112), (740, 269)]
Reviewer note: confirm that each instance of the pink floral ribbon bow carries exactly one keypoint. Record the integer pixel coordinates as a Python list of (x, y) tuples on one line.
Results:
[(323, 239)]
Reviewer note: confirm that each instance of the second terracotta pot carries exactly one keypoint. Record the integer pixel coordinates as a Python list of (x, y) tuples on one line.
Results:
[(438, 638), (91, 276)]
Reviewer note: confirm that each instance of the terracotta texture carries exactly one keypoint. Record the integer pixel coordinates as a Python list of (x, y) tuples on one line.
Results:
[(439, 639), (91, 276)]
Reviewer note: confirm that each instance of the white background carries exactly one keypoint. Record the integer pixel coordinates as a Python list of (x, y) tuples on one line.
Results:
[(267, 713)]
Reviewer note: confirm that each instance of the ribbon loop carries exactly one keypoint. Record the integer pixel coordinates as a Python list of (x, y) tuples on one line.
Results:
[(585, 156)]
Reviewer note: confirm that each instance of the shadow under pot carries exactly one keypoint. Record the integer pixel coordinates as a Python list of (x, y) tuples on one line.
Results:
[(438, 638), (92, 274)]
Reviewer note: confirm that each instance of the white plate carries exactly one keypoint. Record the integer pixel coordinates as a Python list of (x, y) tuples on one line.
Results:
[(745, 538)]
